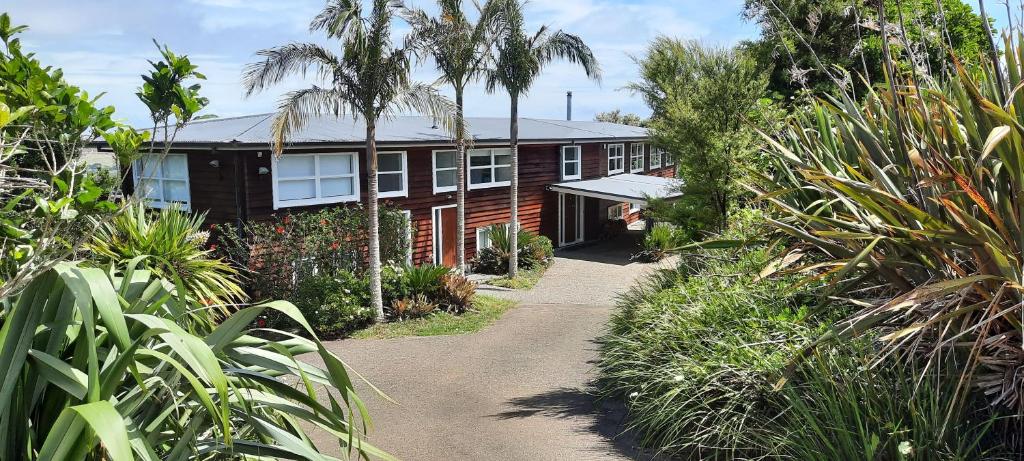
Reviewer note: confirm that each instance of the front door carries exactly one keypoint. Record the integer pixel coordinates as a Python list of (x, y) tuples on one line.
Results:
[(570, 210), (445, 234)]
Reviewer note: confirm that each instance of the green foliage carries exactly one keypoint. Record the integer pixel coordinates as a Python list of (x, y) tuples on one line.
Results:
[(484, 312), (174, 244), (534, 251), (334, 305), (660, 240), (164, 90), (457, 292), (804, 41), (706, 103), (275, 256), (97, 367), (415, 291), (617, 116)]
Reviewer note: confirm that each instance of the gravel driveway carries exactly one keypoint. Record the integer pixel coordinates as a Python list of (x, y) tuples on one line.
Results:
[(518, 390)]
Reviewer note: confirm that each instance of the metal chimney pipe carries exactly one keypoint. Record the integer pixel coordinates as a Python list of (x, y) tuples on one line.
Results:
[(568, 105)]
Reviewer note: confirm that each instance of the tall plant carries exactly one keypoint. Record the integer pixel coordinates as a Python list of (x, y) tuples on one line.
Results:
[(461, 50), (369, 80), (521, 57)]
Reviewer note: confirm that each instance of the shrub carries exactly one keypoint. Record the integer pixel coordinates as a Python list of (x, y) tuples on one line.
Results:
[(333, 304), (417, 291), (457, 292), (661, 239), (534, 251)]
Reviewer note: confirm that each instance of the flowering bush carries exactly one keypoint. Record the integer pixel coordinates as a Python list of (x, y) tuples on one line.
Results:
[(277, 255)]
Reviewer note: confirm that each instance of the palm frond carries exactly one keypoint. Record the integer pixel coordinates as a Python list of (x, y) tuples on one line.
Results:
[(560, 45), (297, 106), (339, 18), (287, 60), (427, 100)]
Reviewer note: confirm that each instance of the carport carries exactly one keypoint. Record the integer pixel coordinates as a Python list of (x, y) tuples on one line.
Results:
[(575, 212)]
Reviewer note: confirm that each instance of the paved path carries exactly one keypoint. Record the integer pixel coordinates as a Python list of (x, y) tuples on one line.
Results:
[(518, 390)]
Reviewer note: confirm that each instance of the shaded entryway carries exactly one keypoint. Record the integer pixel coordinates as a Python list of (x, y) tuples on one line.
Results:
[(518, 390)]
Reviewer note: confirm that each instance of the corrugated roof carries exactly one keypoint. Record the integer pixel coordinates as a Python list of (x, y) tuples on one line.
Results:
[(627, 187), (256, 129)]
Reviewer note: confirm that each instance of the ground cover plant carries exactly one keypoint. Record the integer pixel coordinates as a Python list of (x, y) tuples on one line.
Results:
[(483, 312), (534, 251)]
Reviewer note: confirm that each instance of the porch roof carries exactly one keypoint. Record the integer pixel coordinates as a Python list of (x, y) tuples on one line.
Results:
[(633, 188)]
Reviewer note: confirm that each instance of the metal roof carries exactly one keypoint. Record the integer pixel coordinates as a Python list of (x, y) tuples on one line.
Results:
[(256, 129), (633, 188)]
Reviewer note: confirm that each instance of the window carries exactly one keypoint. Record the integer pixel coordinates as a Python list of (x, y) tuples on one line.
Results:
[(656, 154), (634, 208), (162, 180), (636, 158), (483, 236), (310, 179), (616, 152), (489, 168), (392, 174), (669, 161), (615, 211), (445, 170), (572, 159)]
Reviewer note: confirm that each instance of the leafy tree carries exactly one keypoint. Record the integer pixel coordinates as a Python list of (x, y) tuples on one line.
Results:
[(617, 116), (805, 43), (706, 102), (168, 97), (520, 59), (461, 50), (369, 80)]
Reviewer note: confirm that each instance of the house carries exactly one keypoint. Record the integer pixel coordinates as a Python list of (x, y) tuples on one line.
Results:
[(574, 175)]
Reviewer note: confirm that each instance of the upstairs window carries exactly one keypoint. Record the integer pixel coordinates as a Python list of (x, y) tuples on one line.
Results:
[(656, 154), (392, 175), (636, 158), (572, 159), (312, 179), (445, 171), (616, 154), (162, 180), (490, 168)]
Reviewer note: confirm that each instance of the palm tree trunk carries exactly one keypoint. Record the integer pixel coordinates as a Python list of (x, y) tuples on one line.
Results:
[(376, 297), (513, 226), (460, 184)]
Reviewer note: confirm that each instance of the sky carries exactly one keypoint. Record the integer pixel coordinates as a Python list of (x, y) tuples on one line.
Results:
[(103, 46)]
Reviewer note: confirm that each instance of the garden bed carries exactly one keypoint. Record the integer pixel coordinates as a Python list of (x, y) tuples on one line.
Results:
[(484, 312)]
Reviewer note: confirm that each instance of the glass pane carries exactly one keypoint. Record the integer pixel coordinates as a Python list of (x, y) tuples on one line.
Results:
[(503, 174), (291, 166), (148, 166), (480, 176), (483, 239), (149, 188), (296, 190), (390, 182), (175, 191), (335, 165), (445, 178), (336, 187), (479, 159), (571, 154), (571, 169), (503, 159), (389, 162), (445, 159), (175, 167)]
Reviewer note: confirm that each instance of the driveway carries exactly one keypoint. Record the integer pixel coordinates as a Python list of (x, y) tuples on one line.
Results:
[(519, 390)]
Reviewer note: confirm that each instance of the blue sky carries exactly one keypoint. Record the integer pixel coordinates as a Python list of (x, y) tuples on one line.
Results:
[(103, 45)]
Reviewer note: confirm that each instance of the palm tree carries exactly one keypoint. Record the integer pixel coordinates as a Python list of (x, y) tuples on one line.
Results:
[(520, 60), (369, 80), (460, 50)]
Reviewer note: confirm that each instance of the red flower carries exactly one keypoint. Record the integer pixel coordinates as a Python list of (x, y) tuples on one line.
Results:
[(213, 226), (280, 229), (323, 222), (334, 245), (213, 247), (261, 323)]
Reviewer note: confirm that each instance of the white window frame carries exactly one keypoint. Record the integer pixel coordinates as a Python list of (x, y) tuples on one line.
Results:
[(493, 167), (617, 212), (318, 200), (578, 162), (656, 153), (634, 208), (434, 170), (481, 229), (404, 192), (621, 158), (668, 158), (633, 156), (153, 203), (437, 233)]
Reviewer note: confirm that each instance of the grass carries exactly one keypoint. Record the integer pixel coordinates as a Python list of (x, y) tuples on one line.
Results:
[(527, 279), (486, 310)]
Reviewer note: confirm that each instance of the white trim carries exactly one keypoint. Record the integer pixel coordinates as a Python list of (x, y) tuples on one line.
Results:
[(159, 180), (249, 147), (408, 236), (578, 162), (436, 233), (318, 200), (656, 152), (634, 208), (433, 171), (633, 156), (580, 205), (621, 158), (598, 195), (493, 167), (404, 192)]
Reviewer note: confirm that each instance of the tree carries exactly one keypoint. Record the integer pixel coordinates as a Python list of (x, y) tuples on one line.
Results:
[(460, 50), (369, 80), (706, 102), (617, 116), (812, 39), (520, 60)]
